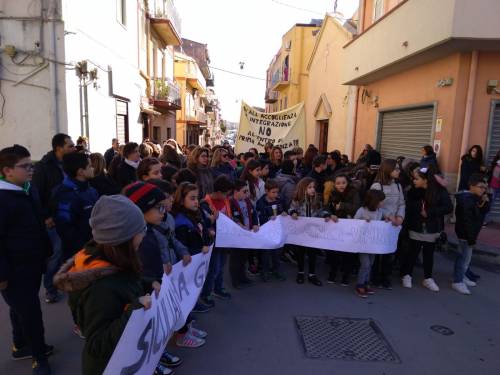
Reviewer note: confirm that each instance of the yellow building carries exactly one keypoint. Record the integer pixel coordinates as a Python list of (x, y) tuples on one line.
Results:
[(287, 73), (329, 104), (191, 119)]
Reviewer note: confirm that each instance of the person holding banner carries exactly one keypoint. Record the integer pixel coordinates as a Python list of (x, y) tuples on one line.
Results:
[(307, 203), (104, 279)]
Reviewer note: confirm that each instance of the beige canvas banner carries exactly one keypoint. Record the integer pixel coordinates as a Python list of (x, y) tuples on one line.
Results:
[(285, 129)]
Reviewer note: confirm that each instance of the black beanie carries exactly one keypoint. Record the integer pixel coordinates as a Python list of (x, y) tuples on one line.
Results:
[(144, 195)]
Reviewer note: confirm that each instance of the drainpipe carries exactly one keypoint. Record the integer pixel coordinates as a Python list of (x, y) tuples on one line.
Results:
[(355, 123), (53, 66), (361, 16), (468, 106)]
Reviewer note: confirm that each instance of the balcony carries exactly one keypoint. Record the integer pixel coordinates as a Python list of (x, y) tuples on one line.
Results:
[(165, 21), (271, 96), (195, 77), (419, 31), (280, 79), (165, 95), (196, 117)]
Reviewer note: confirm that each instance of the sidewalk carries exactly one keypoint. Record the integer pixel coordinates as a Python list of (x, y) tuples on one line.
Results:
[(487, 248)]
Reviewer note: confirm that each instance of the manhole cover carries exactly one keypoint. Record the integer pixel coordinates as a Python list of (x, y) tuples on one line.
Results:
[(445, 331), (344, 338)]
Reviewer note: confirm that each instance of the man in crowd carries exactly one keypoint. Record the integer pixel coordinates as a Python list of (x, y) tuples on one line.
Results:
[(47, 175), (111, 153)]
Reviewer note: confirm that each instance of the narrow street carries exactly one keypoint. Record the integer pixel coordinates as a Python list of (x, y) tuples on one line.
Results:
[(256, 332)]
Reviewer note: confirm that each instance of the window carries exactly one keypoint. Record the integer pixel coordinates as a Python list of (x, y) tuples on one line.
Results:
[(378, 9), (156, 133), (121, 11), (169, 133)]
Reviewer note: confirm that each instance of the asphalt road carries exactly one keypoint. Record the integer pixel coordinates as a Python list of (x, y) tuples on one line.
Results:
[(256, 333)]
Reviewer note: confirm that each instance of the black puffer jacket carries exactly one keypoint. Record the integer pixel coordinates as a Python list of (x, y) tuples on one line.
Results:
[(348, 202), (469, 216), (47, 175), (436, 211), (125, 174)]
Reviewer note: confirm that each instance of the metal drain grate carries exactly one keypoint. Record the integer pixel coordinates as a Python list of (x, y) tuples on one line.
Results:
[(345, 338)]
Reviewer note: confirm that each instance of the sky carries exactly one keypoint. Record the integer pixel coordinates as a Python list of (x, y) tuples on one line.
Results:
[(247, 31)]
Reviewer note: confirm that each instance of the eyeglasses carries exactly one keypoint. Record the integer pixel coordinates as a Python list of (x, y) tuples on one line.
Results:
[(27, 166), (160, 208)]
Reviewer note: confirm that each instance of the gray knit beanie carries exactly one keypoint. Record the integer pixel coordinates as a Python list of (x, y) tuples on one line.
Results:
[(115, 219)]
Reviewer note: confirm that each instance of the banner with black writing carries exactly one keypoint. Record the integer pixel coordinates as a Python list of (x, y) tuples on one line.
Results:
[(147, 332), (347, 235), (286, 129)]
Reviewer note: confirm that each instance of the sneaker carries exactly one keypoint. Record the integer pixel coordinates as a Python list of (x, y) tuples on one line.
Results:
[(163, 370), (361, 292), (314, 280), (196, 332), (200, 308), (345, 280), (168, 359), (222, 294), (25, 352), (41, 367), (369, 290), (300, 278), (430, 284), (77, 331), (331, 278), (406, 280), (279, 276), (187, 340), (52, 297), (469, 282), (460, 288), (208, 301)]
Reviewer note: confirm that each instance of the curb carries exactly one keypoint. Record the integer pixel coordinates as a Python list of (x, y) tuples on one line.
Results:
[(479, 256)]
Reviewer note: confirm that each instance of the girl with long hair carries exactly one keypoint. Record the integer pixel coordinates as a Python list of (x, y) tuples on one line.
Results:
[(220, 164), (198, 163), (472, 163), (276, 160), (149, 169), (251, 175)]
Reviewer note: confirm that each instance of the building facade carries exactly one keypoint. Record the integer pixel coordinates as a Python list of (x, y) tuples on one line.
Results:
[(286, 83)]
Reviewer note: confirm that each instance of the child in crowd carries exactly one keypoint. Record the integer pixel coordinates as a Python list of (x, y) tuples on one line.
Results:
[(427, 204), (74, 200), (244, 213), (343, 202), (211, 205), (394, 209), (307, 203), (268, 208), (471, 209), (24, 250), (149, 169), (371, 210)]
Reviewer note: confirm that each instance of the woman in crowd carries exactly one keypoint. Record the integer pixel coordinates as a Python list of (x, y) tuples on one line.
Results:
[(126, 170), (472, 163), (101, 180), (251, 175), (198, 164), (429, 158), (427, 204), (276, 160), (220, 165)]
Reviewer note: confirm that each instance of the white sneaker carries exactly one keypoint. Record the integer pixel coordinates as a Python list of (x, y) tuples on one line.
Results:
[(406, 281), (460, 288), (469, 282), (431, 285)]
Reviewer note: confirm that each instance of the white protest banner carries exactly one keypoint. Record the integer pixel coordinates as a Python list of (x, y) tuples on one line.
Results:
[(147, 332), (347, 235), (285, 129)]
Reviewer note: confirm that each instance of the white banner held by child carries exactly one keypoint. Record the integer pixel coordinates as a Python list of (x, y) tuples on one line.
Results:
[(347, 235), (147, 331)]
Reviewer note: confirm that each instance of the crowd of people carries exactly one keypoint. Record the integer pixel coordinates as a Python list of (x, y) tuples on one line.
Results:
[(103, 229)]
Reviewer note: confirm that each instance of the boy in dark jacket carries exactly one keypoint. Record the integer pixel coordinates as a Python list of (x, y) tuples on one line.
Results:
[(74, 200), (24, 249), (472, 207), (268, 208), (243, 213), (318, 173)]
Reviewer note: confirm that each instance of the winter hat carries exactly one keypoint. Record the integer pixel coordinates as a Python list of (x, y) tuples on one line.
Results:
[(144, 195), (115, 220)]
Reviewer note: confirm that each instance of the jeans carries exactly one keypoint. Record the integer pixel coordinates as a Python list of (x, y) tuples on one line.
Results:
[(366, 263), (271, 260), (428, 257), (22, 298), (54, 262), (215, 275), (463, 261)]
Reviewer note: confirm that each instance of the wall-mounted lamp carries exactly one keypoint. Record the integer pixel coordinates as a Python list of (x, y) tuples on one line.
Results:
[(445, 82)]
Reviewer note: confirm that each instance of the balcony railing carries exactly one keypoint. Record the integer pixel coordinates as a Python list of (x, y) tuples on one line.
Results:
[(165, 94), (280, 78), (197, 116), (271, 96), (166, 21)]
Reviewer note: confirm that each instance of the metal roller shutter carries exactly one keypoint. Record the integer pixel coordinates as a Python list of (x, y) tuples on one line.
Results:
[(493, 147), (404, 132)]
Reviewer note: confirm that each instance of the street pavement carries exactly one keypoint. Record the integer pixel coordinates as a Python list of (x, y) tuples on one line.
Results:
[(255, 332)]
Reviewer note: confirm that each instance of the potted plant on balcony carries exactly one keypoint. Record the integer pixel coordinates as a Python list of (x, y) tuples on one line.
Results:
[(162, 89)]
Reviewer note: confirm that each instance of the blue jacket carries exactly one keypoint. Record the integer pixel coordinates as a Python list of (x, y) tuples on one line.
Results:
[(150, 255), (172, 250), (224, 169), (74, 201), (191, 235), (265, 209), (24, 244)]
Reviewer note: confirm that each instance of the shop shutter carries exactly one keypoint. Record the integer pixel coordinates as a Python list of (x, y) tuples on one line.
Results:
[(493, 147), (405, 132)]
